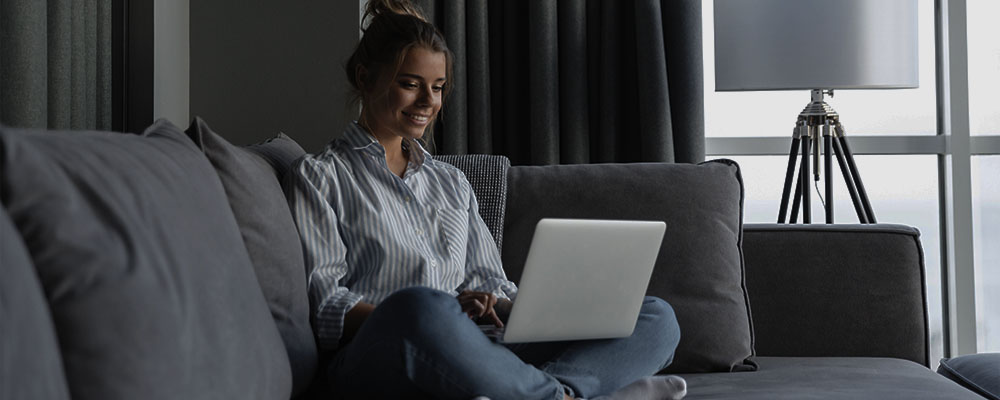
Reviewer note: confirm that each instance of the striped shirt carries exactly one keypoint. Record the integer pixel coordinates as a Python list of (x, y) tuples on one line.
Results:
[(367, 233)]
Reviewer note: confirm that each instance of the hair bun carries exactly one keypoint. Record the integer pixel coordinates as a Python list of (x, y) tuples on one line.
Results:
[(374, 8)]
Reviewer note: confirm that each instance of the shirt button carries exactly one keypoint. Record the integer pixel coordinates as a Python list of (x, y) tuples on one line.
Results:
[(420, 232), (407, 199)]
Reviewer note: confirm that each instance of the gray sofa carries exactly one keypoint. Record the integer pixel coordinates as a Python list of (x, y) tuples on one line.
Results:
[(166, 266)]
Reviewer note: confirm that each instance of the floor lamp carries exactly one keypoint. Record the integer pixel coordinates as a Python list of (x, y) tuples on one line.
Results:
[(820, 46)]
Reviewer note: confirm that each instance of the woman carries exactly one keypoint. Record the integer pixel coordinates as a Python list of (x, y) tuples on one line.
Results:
[(400, 261)]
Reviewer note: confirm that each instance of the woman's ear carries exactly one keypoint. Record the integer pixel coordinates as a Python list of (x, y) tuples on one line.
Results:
[(360, 77)]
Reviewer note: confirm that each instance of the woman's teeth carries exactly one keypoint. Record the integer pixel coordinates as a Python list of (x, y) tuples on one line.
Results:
[(418, 118)]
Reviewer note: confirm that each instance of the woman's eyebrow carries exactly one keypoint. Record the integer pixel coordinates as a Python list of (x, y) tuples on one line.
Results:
[(418, 77)]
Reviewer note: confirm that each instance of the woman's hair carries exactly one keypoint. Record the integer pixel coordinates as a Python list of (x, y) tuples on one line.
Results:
[(394, 27)]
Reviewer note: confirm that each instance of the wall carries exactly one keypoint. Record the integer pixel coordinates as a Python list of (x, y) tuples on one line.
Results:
[(171, 59), (264, 66)]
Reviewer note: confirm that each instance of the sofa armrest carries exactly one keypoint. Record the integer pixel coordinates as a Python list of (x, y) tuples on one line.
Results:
[(837, 290)]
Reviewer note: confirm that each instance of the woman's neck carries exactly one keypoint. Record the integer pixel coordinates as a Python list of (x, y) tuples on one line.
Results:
[(395, 158)]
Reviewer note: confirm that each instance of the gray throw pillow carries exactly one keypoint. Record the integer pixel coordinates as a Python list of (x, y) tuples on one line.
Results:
[(262, 213), (30, 365), (150, 287), (699, 270), (979, 373)]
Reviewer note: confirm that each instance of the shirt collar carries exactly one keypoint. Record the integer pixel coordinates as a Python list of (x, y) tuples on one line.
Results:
[(359, 138)]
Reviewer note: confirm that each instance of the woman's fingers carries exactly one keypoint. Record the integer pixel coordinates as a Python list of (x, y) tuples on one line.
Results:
[(480, 304)]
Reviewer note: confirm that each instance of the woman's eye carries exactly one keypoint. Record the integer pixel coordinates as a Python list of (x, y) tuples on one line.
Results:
[(438, 88), (408, 85)]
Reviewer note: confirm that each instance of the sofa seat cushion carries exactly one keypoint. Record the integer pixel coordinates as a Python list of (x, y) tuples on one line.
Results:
[(151, 290), (847, 378), (30, 364), (250, 178), (699, 268)]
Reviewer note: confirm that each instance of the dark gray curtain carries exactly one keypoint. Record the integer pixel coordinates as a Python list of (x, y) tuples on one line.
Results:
[(573, 81), (55, 64)]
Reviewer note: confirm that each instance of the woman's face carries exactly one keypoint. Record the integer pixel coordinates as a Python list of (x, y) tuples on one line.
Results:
[(413, 99)]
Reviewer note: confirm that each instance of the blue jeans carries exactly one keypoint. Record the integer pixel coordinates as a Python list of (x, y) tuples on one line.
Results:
[(419, 343)]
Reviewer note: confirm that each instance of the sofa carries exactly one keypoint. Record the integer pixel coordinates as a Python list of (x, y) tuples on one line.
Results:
[(166, 265)]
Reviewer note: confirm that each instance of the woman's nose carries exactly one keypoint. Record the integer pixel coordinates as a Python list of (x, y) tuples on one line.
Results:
[(425, 96)]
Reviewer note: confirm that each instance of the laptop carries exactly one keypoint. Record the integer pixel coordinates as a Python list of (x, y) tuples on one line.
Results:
[(583, 279)]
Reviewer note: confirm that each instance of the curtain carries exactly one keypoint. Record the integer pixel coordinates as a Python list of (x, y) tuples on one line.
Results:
[(573, 81), (55, 64)]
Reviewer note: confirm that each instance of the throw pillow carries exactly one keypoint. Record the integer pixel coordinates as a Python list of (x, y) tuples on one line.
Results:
[(699, 270), (151, 290), (979, 373), (30, 364), (258, 203)]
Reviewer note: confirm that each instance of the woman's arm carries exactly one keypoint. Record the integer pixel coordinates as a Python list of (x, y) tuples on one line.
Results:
[(309, 189), (483, 269)]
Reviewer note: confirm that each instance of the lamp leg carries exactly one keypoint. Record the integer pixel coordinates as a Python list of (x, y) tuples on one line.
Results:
[(796, 199), (857, 177), (793, 154), (849, 182), (806, 209)]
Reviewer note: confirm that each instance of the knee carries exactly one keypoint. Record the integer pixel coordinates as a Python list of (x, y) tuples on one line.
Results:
[(418, 300), (662, 320), (420, 309)]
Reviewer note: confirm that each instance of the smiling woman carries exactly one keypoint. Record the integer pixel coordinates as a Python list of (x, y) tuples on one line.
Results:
[(402, 266)]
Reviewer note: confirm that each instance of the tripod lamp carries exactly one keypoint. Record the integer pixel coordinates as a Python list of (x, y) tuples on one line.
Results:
[(819, 46)]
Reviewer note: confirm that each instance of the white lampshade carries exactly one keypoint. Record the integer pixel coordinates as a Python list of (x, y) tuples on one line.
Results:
[(815, 44)]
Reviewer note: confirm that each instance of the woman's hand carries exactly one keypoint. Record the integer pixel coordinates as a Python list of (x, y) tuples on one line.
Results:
[(480, 305)]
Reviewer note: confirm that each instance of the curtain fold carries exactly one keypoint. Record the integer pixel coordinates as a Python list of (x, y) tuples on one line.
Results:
[(55, 64), (573, 81)]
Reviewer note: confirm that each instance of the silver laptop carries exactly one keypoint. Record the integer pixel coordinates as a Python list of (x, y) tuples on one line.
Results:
[(583, 279)]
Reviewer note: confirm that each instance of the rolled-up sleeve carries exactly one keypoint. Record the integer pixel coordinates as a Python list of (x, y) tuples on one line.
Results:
[(313, 200), (483, 267)]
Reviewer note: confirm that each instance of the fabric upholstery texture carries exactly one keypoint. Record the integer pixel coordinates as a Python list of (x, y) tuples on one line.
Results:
[(847, 378), (262, 213), (150, 287), (979, 373), (487, 174), (699, 268), (851, 290), (30, 364)]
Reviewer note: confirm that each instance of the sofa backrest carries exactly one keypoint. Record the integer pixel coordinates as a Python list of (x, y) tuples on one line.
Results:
[(837, 290)]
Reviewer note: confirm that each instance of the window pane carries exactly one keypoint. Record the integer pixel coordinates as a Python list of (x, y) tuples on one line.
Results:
[(862, 112), (986, 235), (902, 189), (984, 66)]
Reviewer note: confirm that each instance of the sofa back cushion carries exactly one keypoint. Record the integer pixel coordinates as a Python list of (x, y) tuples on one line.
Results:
[(699, 269), (30, 365), (487, 174), (265, 222), (151, 290)]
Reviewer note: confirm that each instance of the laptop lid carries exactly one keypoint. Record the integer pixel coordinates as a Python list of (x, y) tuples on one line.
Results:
[(584, 279)]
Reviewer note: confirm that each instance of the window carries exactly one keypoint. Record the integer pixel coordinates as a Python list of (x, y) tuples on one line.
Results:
[(984, 66), (986, 234)]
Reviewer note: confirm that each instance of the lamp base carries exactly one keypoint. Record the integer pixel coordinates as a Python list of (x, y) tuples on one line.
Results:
[(815, 116)]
